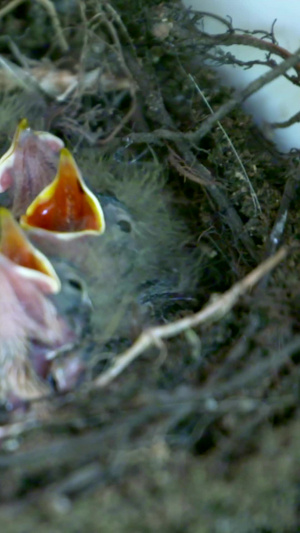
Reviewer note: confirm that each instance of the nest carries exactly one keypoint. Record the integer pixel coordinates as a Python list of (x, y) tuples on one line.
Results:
[(196, 410)]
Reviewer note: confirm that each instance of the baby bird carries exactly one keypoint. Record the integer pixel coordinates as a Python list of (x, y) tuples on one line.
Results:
[(123, 241), (28, 318), (28, 166)]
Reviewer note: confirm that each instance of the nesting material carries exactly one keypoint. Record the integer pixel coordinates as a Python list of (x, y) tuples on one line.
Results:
[(274, 22)]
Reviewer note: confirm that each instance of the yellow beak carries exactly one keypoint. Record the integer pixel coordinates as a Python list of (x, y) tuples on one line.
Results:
[(15, 246), (66, 207)]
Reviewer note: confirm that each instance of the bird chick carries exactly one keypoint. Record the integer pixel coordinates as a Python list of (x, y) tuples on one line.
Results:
[(27, 315), (140, 263), (143, 246), (28, 166)]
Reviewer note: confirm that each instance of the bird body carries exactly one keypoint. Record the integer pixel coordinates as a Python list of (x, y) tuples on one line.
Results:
[(105, 255), (26, 315)]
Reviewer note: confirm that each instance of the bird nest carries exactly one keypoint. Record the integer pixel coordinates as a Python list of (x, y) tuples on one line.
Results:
[(186, 414)]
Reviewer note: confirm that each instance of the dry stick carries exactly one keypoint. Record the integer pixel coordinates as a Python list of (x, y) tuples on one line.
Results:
[(132, 90), (49, 7), (224, 110), (211, 397), (233, 149), (230, 39), (286, 123), (275, 238), (184, 170), (239, 98), (9, 7), (121, 124), (211, 312), (158, 114), (23, 78), (232, 218), (226, 209)]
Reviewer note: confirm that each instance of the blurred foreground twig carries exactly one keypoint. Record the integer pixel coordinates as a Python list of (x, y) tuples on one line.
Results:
[(213, 311)]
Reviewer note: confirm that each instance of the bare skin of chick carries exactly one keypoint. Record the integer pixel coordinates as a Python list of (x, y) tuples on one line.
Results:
[(26, 313), (17, 377)]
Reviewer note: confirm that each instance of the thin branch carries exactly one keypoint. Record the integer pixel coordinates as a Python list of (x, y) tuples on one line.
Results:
[(224, 110), (276, 236), (49, 7), (213, 311), (246, 177), (121, 124), (239, 98), (286, 123), (184, 170), (230, 39), (158, 113), (10, 7)]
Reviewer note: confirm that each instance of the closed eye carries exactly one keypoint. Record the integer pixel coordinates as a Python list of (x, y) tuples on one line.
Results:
[(124, 225), (75, 284)]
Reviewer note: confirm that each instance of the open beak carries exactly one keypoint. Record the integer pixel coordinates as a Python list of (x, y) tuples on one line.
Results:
[(66, 208), (31, 263), (29, 165)]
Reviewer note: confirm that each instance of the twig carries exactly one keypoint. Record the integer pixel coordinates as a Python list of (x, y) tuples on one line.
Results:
[(49, 7), (47, 4), (125, 70), (232, 36), (294, 119), (239, 98), (122, 123), (224, 110), (184, 170), (249, 40), (252, 191), (275, 238), (158, 113), (237, 352), (9, 7), (211, 312)]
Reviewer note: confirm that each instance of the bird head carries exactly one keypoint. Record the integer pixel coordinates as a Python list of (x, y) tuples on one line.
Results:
[(28, 166)]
